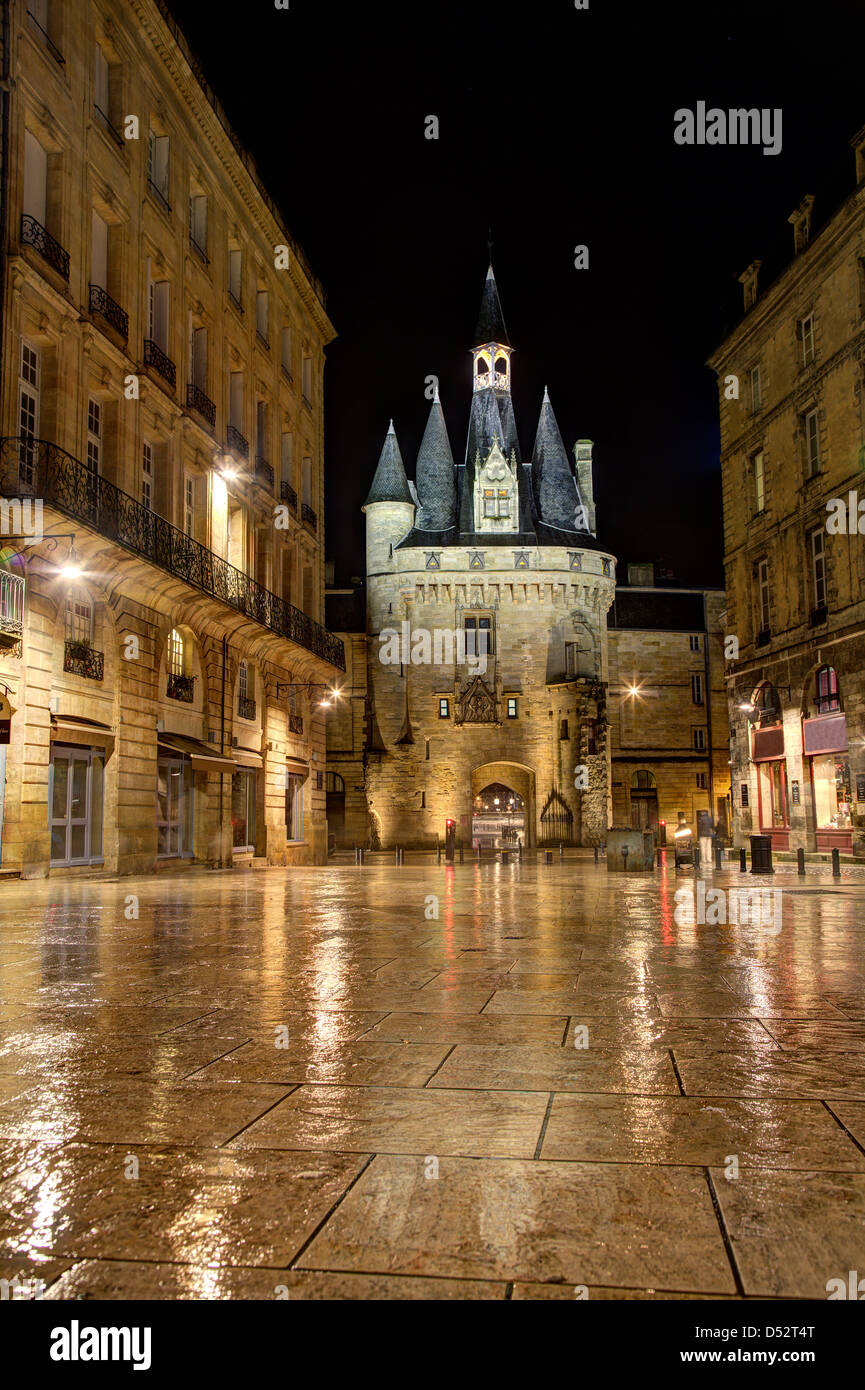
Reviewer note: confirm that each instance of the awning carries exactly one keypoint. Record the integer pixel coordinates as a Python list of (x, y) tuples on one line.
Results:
[(202, 756), (246, 757), (824, 735), (74, 728), (768, 743)]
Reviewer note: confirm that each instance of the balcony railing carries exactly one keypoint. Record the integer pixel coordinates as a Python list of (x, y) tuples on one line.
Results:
[(38, 468), (295, 723), (196, 400), (245, 707), (236, 442), (262, 339), (101, 303), (108, 127), (308, 515), (11, 604), (154, 357), (180, 688), (264, 473), (235, 301), (288, 494), (156, 192), (199, 250), (286, 372), (52, 47), (80, 659), (34, 234)]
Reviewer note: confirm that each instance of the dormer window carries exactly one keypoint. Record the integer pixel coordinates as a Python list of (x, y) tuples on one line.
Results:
[(497, 501)]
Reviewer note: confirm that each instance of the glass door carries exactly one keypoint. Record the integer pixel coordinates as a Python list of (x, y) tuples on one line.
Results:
[(76, 805), (173, 808)]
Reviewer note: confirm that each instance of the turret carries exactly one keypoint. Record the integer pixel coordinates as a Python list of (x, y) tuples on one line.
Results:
[(389, 508)]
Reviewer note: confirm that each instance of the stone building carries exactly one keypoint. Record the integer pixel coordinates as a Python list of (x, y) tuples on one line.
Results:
[(667, 704), (484, 699), (790, 379), (161, 589)]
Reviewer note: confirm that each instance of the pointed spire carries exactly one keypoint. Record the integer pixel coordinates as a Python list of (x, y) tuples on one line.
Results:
[(491, 320), (390, 483), (553, 483), (436, 482)]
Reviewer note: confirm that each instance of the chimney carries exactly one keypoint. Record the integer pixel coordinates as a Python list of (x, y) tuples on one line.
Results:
[(748, 281), (800, 220)]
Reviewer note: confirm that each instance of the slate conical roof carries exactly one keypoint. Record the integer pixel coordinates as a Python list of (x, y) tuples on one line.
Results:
[(553, 484), (435, 477), (491, 320), (390, 483)]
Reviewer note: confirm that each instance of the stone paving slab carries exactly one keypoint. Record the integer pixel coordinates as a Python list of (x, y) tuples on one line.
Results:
[(117, 1279)]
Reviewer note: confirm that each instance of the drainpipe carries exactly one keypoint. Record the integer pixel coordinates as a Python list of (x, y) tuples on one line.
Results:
[(222, 736)]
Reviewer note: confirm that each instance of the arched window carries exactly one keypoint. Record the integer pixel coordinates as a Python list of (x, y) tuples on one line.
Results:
[(175, 653), (643, 781), (766, 703), (501, 366), (826, 696), (333, 783)]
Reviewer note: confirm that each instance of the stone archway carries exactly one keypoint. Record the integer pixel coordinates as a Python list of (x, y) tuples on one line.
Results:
[(516, 777)]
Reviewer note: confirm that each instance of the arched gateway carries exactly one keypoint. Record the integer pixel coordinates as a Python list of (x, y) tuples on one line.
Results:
[(503, 805)]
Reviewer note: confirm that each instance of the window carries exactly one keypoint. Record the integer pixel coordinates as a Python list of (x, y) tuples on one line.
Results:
[(285, 350), (189, 505), (198, 357), (806, 329), (262, 309), (235, 275), (426, 750), (287, 456), (94, 435), (35, 179), (827, 698), (479, 636), (75, 800), (699, 740), (157, 312), (79, 618), (763, 594), (444, 709), (100, 82), (176, 654), (590, 737), (697, 687), (28, 410), (261, 431), (307, 379), (756, 389), (157, 164), (306, 494), (765, 700), (563, 730), (512, 707), (243, 811), (497, 501), (235, 400), (701, 781), (759, 472), (694, 643), (811, 430), (743, 794), (147, 475), (293, 806), (243, 681), (98, 251), (818, 567), (198, 223)]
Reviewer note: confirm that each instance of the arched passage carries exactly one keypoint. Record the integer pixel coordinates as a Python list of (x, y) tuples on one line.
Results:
[(514, 786)]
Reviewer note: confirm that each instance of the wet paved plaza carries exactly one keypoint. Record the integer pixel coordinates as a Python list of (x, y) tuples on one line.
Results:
[(304, 1083)]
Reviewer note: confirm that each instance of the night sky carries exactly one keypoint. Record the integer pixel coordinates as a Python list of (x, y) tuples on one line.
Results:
[(556, 129)]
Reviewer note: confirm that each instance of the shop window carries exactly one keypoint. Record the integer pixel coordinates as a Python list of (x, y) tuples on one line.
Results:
[(827, 698), (293, 806), (75, 799), (243, 810), (832, 792), (773, 794)]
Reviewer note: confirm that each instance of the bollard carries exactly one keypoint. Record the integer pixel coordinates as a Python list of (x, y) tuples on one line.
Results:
[(659, 857), (438, 852), (396, 856), (505, 859), (625, 858), (548, 856), (718, 856), (800, 862), (743, 861), (836, 863), (596, 854), (696, 854), (561, 850), (461, 852)]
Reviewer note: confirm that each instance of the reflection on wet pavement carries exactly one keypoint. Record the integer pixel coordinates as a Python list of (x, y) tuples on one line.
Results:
[(300, 1084)]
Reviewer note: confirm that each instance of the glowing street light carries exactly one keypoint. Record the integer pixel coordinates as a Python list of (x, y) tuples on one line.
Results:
[(72, 567)]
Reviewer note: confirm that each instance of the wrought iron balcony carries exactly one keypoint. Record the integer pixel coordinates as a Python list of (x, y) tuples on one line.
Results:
[(288, 494), (245, 707), (286, 372), (308, 515), (236, 442), (262, 339), (52, 47), (35, 235), (264, 473), (38, 468), (101, 303), (196, 400), (235, 301), (295, 723), (156, 192), (80, 659), (108, 127), (154, 357), (11, 608), (199, 250), (180, 688)]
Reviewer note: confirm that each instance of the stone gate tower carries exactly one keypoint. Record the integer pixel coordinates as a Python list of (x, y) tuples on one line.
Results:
[(487, 596)]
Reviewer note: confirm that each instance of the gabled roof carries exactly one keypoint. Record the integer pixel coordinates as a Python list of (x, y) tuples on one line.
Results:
[(390, 483)]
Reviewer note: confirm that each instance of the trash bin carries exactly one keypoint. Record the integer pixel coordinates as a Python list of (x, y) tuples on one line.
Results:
[(761, 854)]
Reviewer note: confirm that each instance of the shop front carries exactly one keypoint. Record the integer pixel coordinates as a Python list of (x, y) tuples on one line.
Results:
[(824, 744), (773, 802), (178, 760), (76, 791)]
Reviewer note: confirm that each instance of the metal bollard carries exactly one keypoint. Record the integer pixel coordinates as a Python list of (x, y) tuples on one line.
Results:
[(396, 856), (743, 861), (800, 862), (625, 858), (438, 852), (696, 854), (718, 857), (596, 854), (548, 856), (836, 863), (461, 853), (659, 857), (505, 857), (561, 850)]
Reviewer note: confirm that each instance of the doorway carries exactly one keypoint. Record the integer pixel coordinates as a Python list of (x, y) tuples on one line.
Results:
[(75, 799), (173, 808)]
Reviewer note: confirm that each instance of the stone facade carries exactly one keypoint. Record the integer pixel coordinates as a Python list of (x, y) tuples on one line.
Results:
[(790, 379), (161, 402)]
